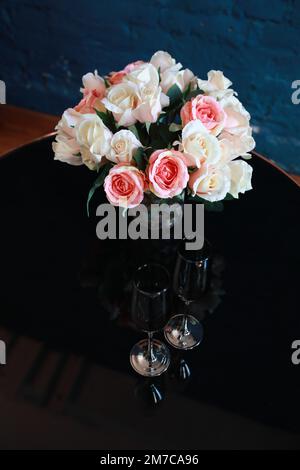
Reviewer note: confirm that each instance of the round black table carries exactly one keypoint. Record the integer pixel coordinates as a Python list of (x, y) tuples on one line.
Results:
[(68, 375)]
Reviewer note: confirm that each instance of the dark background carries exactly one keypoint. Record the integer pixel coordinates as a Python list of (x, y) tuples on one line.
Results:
[(46, 46), (65, 303)]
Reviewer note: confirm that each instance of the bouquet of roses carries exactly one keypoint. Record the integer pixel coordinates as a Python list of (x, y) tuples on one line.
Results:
[(155, 128)]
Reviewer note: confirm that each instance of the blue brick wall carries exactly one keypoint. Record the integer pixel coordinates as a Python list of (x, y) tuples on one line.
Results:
[(47, 45)]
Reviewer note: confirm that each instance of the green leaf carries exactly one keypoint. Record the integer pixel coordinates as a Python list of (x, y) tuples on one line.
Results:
[(143, 135), (216, 206), (148, 124), (163, 117), (97, 183), (187, 91), (134, 130), (107, 119), (160, 136), (159, 74), (173, 127), (228, 197), (139, 158), (175, 94), (180, 197), (192, 94)]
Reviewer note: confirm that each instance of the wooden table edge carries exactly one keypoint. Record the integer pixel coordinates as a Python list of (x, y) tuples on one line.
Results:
[(294, 178)]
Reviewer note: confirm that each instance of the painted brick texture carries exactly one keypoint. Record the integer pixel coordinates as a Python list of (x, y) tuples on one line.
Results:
[(46, 46)]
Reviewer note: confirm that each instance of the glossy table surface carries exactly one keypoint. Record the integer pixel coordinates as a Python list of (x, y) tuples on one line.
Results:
[(64, 316)]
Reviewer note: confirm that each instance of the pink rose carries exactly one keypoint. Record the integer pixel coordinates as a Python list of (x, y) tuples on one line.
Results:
[(207, 110), (93, 91), (117, 77), (167, 173), (125, 186)]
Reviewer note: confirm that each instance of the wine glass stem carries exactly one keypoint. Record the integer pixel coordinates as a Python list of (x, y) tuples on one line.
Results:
[(185, 329), (151, 357)]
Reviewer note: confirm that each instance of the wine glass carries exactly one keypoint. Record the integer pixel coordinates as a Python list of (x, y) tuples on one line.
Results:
[(191, 278), (150, 312)]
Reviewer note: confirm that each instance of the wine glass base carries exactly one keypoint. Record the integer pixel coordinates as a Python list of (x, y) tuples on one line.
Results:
[(180, 339), (139, 358)]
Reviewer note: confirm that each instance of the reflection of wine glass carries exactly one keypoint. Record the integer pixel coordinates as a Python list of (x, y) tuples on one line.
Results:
[(150, 393), (150, 311), (191, 278)]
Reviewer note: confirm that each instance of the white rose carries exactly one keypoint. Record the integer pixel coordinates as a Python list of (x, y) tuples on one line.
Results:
[(68, 122), (210, 182), (123, 146), (93, 137), (216, 85), (121, 100), (237, 130), (175, 76), (162, 61), (241, 174), (151, 105), (233, 146), (137, 98), (66, 150), (89, 160), (66, 147), (143, 75), (237, 118), (151, 100), (199, 145)]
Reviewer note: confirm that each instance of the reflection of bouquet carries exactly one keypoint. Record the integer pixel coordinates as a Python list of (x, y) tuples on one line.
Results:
[(155, 127)]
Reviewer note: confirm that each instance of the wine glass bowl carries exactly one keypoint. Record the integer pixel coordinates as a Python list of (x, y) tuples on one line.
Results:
[(151, 297), (150, 312), (190, 281), (192, 272)]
